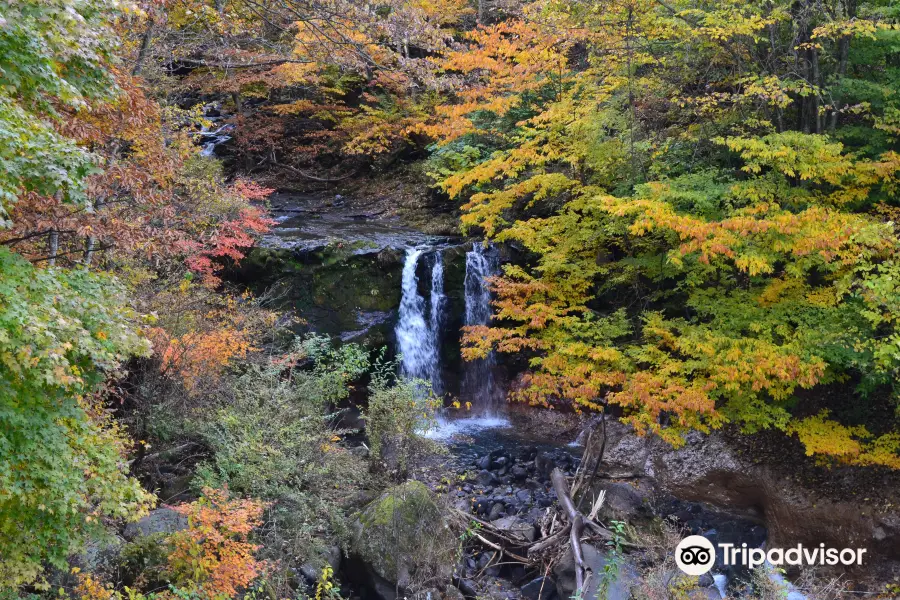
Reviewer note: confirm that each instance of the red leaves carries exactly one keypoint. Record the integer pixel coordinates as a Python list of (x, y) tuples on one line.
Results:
[(231, 239)]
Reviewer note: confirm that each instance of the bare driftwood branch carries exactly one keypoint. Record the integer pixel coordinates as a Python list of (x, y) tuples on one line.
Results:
[(174, 450), (576, 520), (549, 541), (502, 550)]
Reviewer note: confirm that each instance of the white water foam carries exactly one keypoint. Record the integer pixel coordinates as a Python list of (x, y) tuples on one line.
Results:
[(447, 428), (720, 582)]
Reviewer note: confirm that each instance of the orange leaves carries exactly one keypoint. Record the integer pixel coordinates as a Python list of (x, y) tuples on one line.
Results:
[(199, 357), (213, 557), (648, 395), (504, 62)]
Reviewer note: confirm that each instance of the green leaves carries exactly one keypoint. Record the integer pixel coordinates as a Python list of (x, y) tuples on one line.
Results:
[(35, 158), (54, 56), (724, 176), (61, 460)]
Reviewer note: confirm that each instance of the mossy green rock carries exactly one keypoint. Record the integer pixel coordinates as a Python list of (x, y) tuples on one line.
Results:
[(404, 537)]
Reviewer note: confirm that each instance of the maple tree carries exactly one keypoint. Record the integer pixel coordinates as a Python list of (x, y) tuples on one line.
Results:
[(703, 212), (98, 180), (213, 558), (704, 194)]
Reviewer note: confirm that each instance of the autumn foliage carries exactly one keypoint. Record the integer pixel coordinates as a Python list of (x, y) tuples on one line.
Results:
[(210, 560), (703, 222), (213, 557)]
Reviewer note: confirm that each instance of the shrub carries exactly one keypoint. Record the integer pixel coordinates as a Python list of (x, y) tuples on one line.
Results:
[(272, 437), (272, 434), (395, 414)]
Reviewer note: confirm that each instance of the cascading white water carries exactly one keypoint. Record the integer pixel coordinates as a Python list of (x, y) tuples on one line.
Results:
[(478, 386), (416, 339), (437, 301)]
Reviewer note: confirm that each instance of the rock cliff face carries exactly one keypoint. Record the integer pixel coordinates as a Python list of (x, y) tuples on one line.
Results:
[(855, 508)]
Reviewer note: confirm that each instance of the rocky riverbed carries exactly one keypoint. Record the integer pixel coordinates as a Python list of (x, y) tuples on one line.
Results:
[(500, 476)]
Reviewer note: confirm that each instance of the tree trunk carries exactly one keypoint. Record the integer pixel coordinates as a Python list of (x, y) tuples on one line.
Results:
[(843, 58), (238, 106), (815, 116), (144, 50), (54, 247), (89, 244)]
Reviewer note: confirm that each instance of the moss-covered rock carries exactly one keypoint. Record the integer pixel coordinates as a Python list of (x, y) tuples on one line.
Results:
[(332, 290), (404, 537)]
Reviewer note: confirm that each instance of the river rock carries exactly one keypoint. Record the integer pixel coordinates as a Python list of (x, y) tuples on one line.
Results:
[(542, 588), (162, 520), (312, 569), (485, 478), (482, 505), (496, 510), (467, 587), (523, 496), (625, 500), (452, 593), (544, 463), (518, 473), (516, 527)]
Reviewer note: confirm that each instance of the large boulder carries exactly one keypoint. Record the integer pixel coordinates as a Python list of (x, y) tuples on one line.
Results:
[(540, 588), (626, 500), (328, 555), (403, 539), (162, 520)]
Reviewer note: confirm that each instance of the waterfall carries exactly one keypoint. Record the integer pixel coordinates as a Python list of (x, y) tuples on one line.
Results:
[(438, 298), (417, 337), (478, 385), (437, 302)]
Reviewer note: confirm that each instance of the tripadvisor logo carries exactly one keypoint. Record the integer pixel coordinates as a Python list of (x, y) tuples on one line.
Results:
[(696, 555)]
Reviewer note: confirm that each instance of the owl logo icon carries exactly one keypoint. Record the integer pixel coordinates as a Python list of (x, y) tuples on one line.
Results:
[(695, 555)]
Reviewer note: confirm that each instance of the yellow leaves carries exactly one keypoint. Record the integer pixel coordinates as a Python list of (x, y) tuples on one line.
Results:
[(855, 445), (727, 22), (777, 289), (849, 28), (754, 239), (804, 156), (821, 435)]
